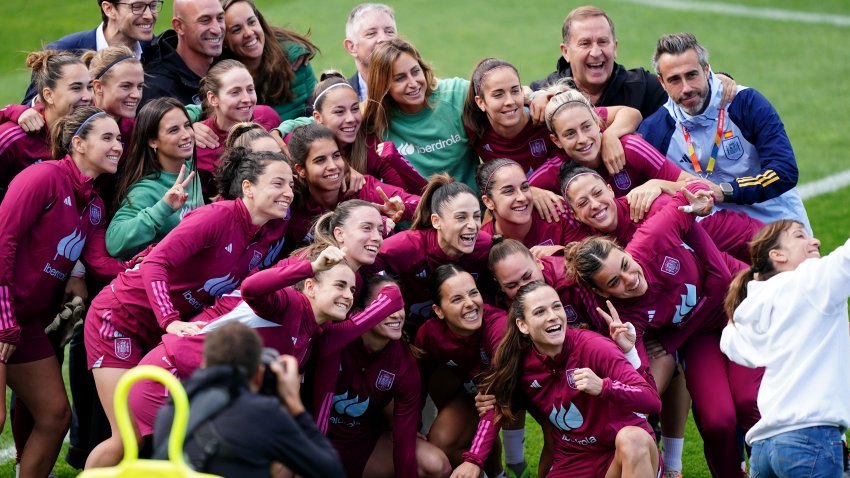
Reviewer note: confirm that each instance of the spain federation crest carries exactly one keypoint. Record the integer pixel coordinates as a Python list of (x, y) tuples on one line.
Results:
[(385, 381), (537, 147), (255, 261), (622, 180), (123, 347), (670, 266), (95, 215)]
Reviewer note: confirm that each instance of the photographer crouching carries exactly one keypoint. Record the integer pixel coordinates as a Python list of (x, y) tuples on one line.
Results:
[(243, 418)]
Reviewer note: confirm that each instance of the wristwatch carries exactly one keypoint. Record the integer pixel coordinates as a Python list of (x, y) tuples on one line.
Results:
[(727, 191)]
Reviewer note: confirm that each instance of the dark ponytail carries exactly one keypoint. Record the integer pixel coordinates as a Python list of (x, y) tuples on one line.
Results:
[(503, 377), (441, 188)]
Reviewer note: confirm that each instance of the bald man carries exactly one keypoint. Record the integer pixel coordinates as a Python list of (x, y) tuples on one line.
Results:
[(178, 58)]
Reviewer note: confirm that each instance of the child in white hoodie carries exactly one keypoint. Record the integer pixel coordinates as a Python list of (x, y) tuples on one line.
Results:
[(788, 313)]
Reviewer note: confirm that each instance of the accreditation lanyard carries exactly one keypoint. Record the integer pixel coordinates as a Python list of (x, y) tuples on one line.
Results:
[(711, 159)]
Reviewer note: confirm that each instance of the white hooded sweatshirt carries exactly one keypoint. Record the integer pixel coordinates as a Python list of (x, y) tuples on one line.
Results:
[(795, 325)]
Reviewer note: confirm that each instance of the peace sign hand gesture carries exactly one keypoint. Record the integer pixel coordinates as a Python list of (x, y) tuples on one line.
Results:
[(393, 207), (176, 196), (622, 334)]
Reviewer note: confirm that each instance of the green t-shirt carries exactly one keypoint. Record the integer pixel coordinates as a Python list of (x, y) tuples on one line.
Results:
[(144, 217), (434, 139)]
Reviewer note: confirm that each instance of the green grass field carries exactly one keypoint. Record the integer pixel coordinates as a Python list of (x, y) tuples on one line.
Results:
[(801, 67)]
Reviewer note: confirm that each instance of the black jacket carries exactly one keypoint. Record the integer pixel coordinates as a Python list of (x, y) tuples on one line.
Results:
[(637, 88), (166, 74), (242, 439)]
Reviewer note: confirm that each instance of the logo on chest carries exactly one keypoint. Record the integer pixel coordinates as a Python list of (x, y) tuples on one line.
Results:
[(352, 407), (572, 315), (537, 148), (689, 301), (255, 260), (385, 381), (566, 419), (622, 180), (220, 285), (71, 246), (95, 215), (732, 147), (670, 265)]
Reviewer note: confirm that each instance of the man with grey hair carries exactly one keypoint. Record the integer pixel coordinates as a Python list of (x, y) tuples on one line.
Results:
[(740, 150), (368, 25), (178, 58)]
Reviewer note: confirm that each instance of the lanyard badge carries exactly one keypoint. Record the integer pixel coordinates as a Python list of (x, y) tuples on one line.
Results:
[(709, 168)]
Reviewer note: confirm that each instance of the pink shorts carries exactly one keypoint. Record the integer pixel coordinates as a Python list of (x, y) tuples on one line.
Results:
[(33, 346), (148, 396), (106, 347)]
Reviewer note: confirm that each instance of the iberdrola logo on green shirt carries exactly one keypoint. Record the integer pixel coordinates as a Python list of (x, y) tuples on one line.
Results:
[(406, 149)]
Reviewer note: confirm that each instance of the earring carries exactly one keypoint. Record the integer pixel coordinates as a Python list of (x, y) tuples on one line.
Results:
[(154, 150)]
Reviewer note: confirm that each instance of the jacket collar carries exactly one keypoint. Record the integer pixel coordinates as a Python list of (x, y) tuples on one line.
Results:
[(244, 218), (82, 184)]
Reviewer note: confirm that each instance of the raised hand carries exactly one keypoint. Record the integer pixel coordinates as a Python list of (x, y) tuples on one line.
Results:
[(176, 196), (328, 258), (393, 207), (622, 334)]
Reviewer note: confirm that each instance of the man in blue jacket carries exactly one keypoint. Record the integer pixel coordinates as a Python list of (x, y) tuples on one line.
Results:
[(740, 150), (124, 23)]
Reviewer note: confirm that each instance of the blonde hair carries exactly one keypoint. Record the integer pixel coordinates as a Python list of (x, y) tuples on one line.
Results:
[(565, 100), (100, 63)]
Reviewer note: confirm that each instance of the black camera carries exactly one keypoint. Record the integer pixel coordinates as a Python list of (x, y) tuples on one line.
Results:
[(269, 385)]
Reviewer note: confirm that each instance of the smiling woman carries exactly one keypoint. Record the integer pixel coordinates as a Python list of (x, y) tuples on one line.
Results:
[(278, 59), (52, 217), (229, 97)]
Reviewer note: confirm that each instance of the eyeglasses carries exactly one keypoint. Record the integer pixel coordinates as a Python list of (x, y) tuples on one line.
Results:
[(138, 8)]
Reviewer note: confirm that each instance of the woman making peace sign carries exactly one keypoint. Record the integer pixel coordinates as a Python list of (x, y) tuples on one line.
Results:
[(155, 191)]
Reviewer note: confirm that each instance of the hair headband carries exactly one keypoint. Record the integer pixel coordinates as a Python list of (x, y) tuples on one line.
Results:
[(493, 173), (77, 133), (476, 82), (342, 83), (113, 63), (558, 108), (591, 173)]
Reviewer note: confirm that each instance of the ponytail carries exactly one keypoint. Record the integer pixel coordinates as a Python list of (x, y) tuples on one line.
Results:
[(583, 259), (737, 291), (323, 228), (503, 377), (763, 268), (441, 188)]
